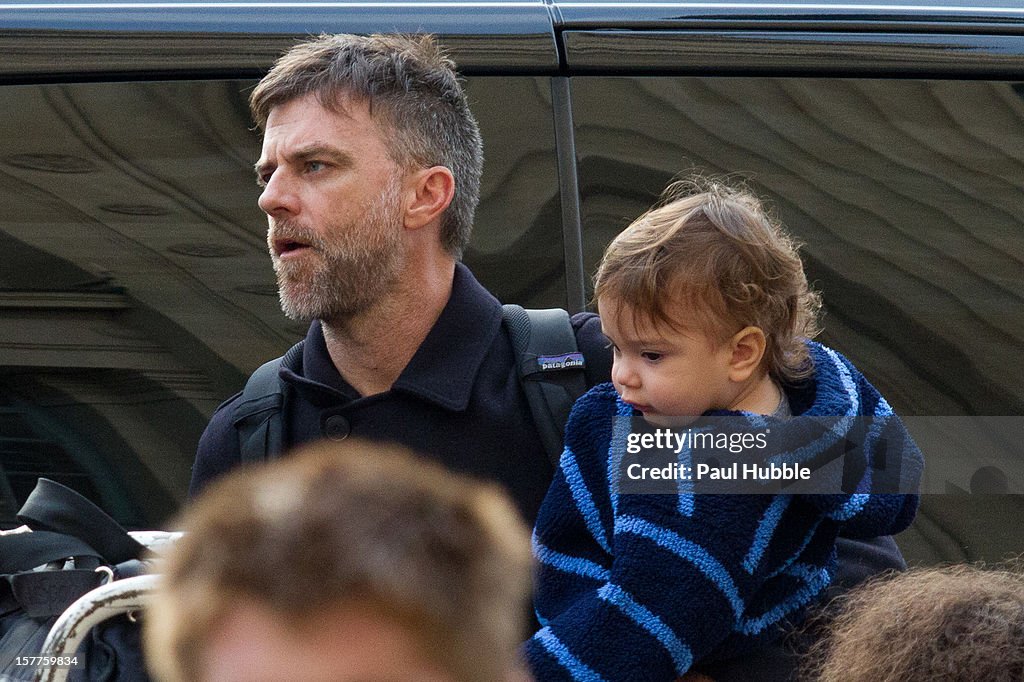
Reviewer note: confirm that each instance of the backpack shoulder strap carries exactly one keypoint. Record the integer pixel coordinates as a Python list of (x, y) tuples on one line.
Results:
[(259, 414), (56, 508), (24, 551), (550, 367)]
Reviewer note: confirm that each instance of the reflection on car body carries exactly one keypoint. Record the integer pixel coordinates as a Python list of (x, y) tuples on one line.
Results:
[(136, 294)]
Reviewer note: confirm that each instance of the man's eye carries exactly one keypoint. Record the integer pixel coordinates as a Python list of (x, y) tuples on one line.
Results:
[(315, 166)]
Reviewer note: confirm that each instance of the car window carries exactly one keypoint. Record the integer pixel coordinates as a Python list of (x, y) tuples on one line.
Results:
[(906, 194), (135, 289)]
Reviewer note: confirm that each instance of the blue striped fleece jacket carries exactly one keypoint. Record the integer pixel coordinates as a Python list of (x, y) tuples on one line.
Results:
[(634, 588)]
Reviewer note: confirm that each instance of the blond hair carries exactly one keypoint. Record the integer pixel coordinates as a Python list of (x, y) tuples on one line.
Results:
[(956, 624), (714, 249), (337, 523)]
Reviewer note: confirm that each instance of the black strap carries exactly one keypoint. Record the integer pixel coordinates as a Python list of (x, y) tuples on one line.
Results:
[(259, 415), (25, 551), (57, 508), (43, 594), (551, 369), (550, 366)]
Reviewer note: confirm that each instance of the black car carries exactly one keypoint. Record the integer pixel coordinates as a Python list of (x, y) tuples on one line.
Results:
[(136, 292)]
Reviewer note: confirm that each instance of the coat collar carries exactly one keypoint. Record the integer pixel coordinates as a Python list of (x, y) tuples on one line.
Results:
[(444, 367)]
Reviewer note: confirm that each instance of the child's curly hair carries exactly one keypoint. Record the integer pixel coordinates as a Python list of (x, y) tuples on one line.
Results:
[(713, 250), (956, 624)]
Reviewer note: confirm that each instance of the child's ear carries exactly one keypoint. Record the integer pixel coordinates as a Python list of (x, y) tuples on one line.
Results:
[(748, 346)]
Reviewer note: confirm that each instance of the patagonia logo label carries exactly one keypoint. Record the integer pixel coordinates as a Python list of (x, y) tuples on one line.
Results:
[(553, 362)]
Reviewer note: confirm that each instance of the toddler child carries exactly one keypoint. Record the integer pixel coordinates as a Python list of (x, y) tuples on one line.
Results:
[(708, 312)]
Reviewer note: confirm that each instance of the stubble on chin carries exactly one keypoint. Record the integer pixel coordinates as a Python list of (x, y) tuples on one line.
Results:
[(339, 290), (301, 295), (339, 280)]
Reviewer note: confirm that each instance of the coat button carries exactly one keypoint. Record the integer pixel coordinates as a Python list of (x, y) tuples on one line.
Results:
[(337, 427)]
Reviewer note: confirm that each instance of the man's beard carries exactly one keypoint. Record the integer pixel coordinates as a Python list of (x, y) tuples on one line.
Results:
[(354, 265)]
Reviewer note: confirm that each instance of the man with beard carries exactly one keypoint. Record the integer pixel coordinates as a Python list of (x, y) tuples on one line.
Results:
[(370, 170)]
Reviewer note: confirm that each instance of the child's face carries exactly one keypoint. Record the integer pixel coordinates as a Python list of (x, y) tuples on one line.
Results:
[(663, 372)]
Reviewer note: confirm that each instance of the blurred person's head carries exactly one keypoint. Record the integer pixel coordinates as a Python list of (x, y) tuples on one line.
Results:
[(955, 624), (346, 562)]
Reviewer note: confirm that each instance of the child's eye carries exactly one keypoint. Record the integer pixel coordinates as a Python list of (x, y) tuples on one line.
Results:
[(651, 356)]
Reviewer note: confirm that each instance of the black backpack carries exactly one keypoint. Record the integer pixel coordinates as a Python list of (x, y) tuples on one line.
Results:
[(551, 371), (73, 548)]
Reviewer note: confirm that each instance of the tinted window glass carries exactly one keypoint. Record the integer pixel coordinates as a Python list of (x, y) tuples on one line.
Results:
[(517, 249), (907, 195), (135, 289)]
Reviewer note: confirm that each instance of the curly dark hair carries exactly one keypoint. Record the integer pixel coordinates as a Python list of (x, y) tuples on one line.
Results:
[(955, 624)]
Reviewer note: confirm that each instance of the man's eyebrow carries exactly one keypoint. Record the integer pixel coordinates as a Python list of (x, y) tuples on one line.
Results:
[(321, 151), (312, 151)]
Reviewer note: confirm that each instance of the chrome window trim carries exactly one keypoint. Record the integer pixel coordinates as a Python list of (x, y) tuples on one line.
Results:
[(793, 52)]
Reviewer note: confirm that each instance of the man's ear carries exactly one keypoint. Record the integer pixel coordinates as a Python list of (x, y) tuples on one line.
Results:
[(428, 191), (748, 346)]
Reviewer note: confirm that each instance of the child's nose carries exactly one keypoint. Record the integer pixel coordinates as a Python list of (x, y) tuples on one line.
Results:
[(624, 374)]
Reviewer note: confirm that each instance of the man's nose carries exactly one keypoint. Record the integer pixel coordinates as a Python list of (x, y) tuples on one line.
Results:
[(278, 199)]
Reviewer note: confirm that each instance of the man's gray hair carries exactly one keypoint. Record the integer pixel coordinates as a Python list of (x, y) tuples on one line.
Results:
[(413, 91)]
